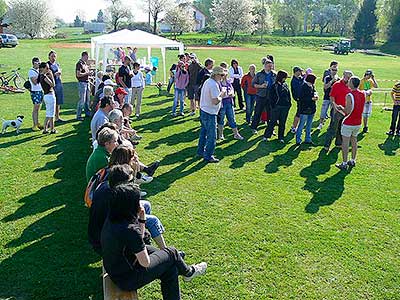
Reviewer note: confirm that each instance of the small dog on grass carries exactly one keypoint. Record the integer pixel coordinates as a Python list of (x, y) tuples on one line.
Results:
[(12, 123)]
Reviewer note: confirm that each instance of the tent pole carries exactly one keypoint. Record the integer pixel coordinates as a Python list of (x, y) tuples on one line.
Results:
[(104, 58), (164, 64), (149, 54)]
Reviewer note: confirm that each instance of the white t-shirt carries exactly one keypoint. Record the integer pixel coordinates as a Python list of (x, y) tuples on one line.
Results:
[(137, 80), (209, 91), (32, 74)]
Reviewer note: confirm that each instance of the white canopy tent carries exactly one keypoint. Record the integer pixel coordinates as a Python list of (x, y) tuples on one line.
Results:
[(135, 38)]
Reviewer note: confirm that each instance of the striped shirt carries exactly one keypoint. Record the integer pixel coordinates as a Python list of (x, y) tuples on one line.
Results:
[(396, 93)]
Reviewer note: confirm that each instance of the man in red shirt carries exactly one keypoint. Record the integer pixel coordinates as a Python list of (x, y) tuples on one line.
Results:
[(353, 111), (338, 98)]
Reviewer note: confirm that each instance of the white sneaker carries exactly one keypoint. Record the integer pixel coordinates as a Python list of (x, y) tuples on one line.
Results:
[(199, 269), (293, 130), (254, 131), (144, 179), (142, 194), (192, 113), (238, 137), (319, 126), (264, 139)]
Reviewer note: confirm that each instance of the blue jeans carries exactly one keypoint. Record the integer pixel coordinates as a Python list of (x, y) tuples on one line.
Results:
[(179, 96), (208, 135), (307, 121), (153, 223), (250, 101), (84, 99), (227, 109)]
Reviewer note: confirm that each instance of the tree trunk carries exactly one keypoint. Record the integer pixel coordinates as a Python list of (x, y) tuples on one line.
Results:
[(155, 18), (305, 22)]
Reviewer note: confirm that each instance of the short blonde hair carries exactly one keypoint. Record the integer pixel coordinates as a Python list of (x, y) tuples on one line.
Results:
[(100, 74), (106, 135), (108, 91)]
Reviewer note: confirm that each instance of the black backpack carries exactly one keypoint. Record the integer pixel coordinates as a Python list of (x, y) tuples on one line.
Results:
[(27, 84)]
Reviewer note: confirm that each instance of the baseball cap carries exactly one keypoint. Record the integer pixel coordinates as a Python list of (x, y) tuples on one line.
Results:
[(297, 69), (121, 91), (217, 70), (109, 82)]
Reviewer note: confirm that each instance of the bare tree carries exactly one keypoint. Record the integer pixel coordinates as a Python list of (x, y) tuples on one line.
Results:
[(32, 17), (155, 8), (117, 13)]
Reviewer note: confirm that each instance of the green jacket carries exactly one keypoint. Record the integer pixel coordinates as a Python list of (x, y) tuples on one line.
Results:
[(97, 160)]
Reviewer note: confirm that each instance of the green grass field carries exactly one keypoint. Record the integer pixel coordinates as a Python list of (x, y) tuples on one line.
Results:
[(271, 221)]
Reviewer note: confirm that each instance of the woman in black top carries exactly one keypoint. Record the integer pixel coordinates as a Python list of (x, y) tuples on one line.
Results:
[(307, 107), (280, 103), (129, 262)]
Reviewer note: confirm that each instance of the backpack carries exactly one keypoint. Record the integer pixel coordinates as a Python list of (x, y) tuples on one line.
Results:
[(93, 184), (27, 84)]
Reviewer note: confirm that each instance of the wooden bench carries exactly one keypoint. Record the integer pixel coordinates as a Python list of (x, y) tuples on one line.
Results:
[(112, 292)]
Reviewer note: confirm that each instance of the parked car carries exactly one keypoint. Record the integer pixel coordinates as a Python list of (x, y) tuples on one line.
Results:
[(8, 40)]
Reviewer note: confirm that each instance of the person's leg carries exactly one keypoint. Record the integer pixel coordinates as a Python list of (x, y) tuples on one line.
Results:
[(139, 101), (353, 147), (247, 98), (156, 229), (182, 100), (345, 148), (203, 135), (238, 91), (300, 127), (220, 123), (338, 140), (324, 113), (398, 115), (308, 128), (87, 100), (331, 132), (395, 113), (270, 127), (35, 114), (211, 128), (175, 103), (260, 104), (80, 105), (230, 115), (296, 119), (283, 115)]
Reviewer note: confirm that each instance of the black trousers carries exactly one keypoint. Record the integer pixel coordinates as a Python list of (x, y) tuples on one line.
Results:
[(395, 116), (280, 114), (262, 103), (238, 91), (165, 265)]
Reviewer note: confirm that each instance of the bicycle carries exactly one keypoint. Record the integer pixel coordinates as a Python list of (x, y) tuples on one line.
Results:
[(14, 76)]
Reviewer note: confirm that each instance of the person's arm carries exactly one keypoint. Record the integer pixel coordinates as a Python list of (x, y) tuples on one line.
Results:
[(349, 104), (231, 73), (374, 83), (80, 74), (256, 83), (393, 94), (240, 72), (34, 77), (49, 79), (120, 78), (217, 95), (243, 83), (143, 256), (328, 84)]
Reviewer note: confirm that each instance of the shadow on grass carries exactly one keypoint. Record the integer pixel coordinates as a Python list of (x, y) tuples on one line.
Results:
[(389, 147), (55, 257), (286, 159), (176, 138), (324, 192)]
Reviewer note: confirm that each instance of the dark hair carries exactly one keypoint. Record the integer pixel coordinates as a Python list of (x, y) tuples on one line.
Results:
[(333, 62), (105, 77), (125, 106), (119, 174), (311, 78), (135, 64), (84, 53), (155, 68), (223, 65), (282, 74), (43, 65), (127, 58), (125, 203), (105, 100), (180, 56), (270, 57), (35, 59), (355, 81), (208, 62), (121, 155), (106, 125), (234, 61), (52, 52)]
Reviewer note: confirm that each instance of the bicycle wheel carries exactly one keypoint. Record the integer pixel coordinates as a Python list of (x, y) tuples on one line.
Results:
[(19, 82)]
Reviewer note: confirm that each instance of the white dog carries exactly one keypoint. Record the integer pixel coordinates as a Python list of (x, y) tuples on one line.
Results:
[(12, 123)]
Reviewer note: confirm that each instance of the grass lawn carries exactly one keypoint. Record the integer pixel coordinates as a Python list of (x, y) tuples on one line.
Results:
[(271, 221)]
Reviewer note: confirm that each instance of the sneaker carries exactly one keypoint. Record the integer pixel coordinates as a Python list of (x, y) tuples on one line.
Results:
[(365, 129), (319, 126), (398, 133), (192, 113), (182, 114), (80, 119), (152, 168), (273, 133), (144, 179), (60, 121), (136, 137), (54, 131), (173, 115), (390, 132), (254, 131), (199, 269), (142, 194), (45, 132), (35, 128), (213, 159), (40, 126), (264, 139), (351, 163), (281, 141), (137, 115), (238, 137), (221, 138), (326, 148), (293, 130), (343, 166)]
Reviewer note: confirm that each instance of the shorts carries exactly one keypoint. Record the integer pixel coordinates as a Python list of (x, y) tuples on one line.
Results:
[(367, 109), (59, 91), (192, 91), (349, 130), (50, 102), (37, 97)]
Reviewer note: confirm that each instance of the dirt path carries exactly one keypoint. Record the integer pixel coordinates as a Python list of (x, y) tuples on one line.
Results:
[(219, 48), (71, 45)]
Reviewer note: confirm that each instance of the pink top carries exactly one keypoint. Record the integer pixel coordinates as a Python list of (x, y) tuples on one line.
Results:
[(181, 79)]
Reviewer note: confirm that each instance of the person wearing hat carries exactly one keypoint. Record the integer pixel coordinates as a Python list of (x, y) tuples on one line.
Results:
[(295, 87), (119, 96), (367, 84), (210, 103), (329, 80), (149, 77), (36, 93), (307, 108), (263, 82)]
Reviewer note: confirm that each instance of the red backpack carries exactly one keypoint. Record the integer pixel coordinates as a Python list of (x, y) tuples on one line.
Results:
[(93, 184)]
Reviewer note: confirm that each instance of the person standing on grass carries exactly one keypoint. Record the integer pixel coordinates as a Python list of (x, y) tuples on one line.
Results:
[(82, 75), (124, 75), (338, 97), (210, 103), (263, 82), (138, 84), (396, 111), (353, 111), (236, 73), (280, 103), (327, 72), (205, 73), (227, 110), (307, 108), (47, 82), (329, 80), (295, 87), (250, 92), (194, 69), (367, 84), (181, 82), (36, 93), (58, 89)]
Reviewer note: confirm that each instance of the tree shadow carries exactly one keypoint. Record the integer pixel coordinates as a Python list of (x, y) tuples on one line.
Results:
[(324, 192), (55, 252), (390, 146)]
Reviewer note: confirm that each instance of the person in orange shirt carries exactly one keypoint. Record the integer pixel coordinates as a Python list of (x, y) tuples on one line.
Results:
[(249, 92), (367, 84)]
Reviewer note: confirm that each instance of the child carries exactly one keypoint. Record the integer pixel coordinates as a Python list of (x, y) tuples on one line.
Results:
[(396, 111), (149, 77)]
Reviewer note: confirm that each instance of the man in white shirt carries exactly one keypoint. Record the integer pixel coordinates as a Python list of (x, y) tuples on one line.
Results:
[(138, 84), (210, 103), (36, 93)]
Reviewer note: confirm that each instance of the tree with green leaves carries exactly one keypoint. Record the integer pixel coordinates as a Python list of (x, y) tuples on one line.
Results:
[(77, 22), (100, 17), (365, 26), (394, 29), (3, 10)]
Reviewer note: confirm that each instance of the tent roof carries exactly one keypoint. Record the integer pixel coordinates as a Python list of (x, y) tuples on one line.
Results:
[(136, 38)]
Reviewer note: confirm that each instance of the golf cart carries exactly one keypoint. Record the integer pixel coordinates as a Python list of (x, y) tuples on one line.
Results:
[(342, 47)]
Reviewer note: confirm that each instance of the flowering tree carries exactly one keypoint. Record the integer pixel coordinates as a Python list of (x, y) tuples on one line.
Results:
[(180, 19)]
